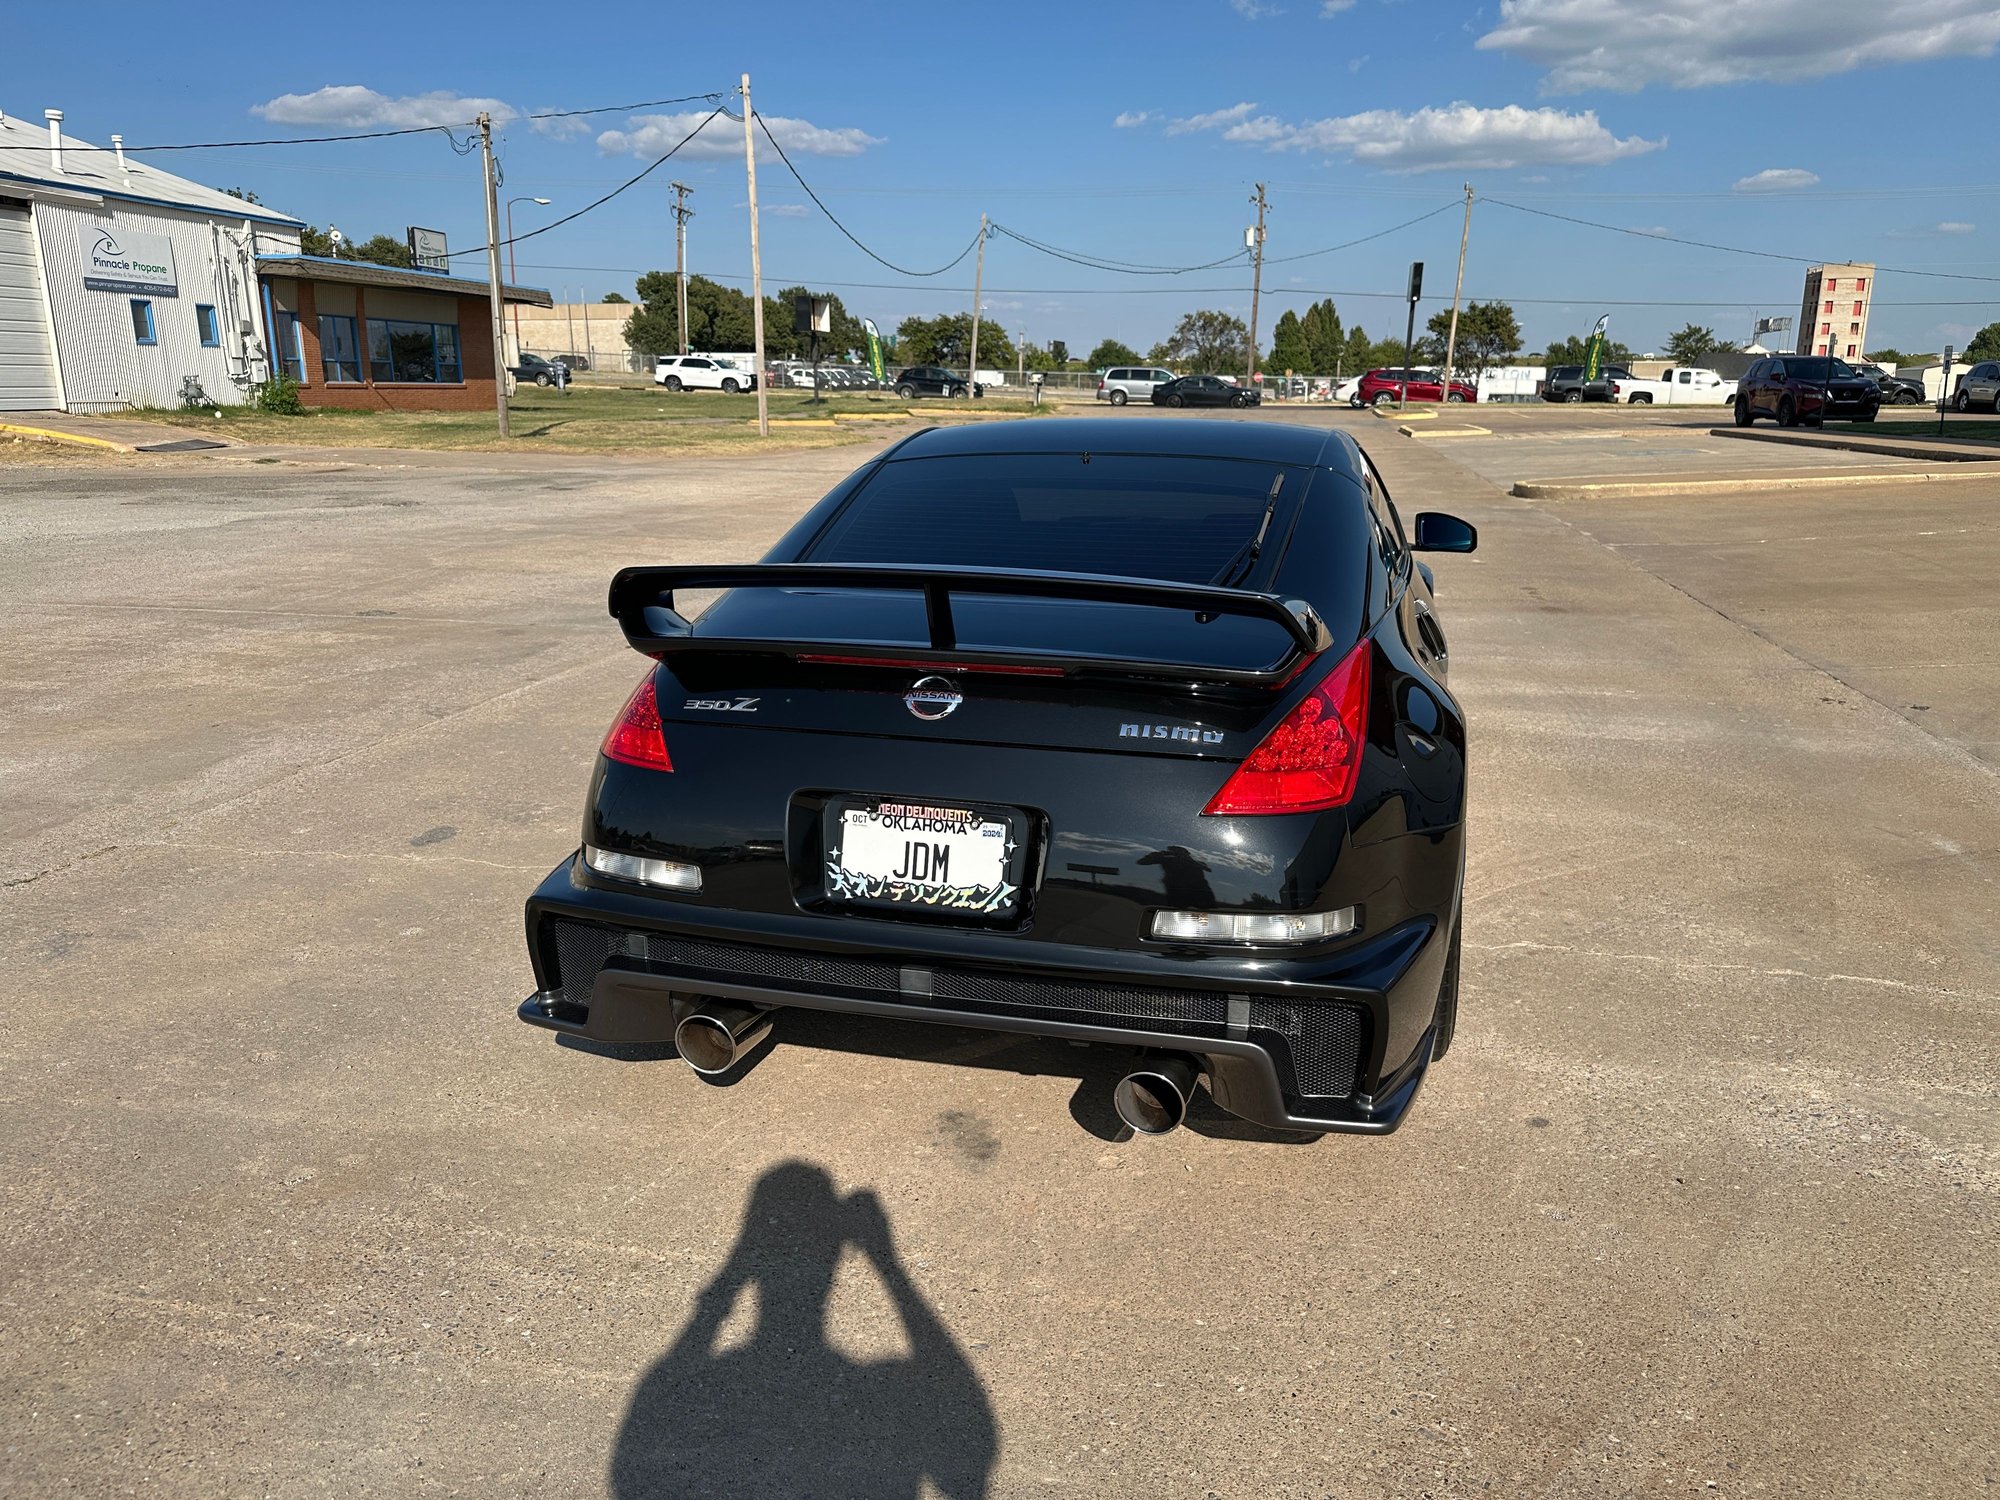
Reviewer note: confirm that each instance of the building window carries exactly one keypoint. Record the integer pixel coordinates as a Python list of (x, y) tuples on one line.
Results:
[(142, 323), (1854, 328), (1861, 283), (1850, 351), (413, 353), (339, 349), (1833, 283), (1857, 309), (1829, 304), (290, 353), (208, 326), (1826, 328)]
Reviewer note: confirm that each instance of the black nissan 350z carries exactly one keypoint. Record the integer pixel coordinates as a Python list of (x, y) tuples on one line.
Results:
[(1130, 734)]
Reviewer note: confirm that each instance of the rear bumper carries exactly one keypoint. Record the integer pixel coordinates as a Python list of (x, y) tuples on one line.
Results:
[(614, 967)]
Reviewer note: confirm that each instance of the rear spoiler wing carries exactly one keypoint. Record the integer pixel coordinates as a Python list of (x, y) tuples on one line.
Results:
[(642, 601)]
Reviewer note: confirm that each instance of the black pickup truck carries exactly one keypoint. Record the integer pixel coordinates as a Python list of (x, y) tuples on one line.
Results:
[(1566, 383)]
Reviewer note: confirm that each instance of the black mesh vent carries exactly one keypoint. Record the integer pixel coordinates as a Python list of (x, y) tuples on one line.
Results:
[(582, 948), (1325, 1043), (1104, 999)]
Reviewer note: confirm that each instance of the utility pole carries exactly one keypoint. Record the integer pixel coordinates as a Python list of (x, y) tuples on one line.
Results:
[(978, 281), (682, 213), (756, 272), (1451, 339), (1256, 283), (493, 267)]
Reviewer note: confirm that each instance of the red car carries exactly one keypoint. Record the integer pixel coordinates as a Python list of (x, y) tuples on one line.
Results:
[(1384, 388)]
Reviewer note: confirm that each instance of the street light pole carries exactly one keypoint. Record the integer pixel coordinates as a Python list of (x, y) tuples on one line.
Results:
[(512, 275)]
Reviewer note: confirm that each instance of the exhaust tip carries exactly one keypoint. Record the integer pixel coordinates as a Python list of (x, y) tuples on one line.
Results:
[(717, 1037), (1153, 1098)]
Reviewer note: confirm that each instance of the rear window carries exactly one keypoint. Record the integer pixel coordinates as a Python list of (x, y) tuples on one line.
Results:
[(1566, 372), (1185, 520)]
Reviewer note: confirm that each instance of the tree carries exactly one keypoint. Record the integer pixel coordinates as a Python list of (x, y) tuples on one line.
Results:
[(1205, 340), (1059, 351), (383, 250), (1894, 357), (947, 340), (1326, 340), (718, 316), (243, 193), (1570, 351), (1488, 335), (616, 297), (1985, 345), (846, 336), (1692, 345), (1110, 352), (1289, 349)]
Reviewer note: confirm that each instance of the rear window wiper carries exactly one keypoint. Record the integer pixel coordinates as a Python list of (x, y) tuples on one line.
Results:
[(1246, 556)]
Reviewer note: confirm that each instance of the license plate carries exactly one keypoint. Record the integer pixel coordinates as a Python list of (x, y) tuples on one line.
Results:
[(923, 856)]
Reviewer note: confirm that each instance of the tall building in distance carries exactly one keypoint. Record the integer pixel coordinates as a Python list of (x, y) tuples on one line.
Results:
[(1833, 316)]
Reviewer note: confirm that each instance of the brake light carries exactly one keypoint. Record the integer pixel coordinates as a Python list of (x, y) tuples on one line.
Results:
[(1313, 758), (635, 737)]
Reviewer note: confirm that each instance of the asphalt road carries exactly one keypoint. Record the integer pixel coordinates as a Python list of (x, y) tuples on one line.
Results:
[(1701, 1203)]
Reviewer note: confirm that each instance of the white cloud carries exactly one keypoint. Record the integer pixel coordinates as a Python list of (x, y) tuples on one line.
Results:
[(1592, 44), (1777, 180), (352, 106), (655, 135), (1653, 229), (1356, 64), (785, 210), (1956, 226), (1328, 9), (1456, 138), (1253, 10), (1213, 120), (566, 128), (1132, 118)]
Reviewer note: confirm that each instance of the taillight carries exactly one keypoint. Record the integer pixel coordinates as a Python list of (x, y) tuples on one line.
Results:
[(1312, 759), (634, 736)]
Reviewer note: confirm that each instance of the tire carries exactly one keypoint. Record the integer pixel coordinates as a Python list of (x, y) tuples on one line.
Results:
[(1907, 398), (1454, 399), (1383, 398), (1177, 400), (541, 380), (906, 392), (1640, 398), (729, 386), (1788, 414), (1239, 401), (1446, 1022), (1961, 402), (1572, 398), (673, 383), (1743, 416), (1118, 398)]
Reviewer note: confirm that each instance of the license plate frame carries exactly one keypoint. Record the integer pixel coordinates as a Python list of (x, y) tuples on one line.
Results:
[(930, 822)]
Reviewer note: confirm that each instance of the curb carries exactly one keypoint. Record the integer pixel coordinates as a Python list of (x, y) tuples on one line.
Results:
[(1445, 432), (1632, 489), (50, 435), (1936, 450), (1390, 414)]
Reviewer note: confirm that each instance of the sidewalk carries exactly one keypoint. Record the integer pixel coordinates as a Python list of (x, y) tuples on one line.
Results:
[(112, 434), (1945, 450)]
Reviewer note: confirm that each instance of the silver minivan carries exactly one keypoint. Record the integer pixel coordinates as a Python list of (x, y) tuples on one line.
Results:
[(1979, 386), (1124, 383)]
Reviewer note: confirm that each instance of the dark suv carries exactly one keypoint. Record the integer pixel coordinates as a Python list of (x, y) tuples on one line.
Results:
[(1808, 388), (1566, 383), (928, 380)]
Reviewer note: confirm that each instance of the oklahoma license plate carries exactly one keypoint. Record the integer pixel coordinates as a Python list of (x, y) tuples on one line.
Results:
[(920, 855)]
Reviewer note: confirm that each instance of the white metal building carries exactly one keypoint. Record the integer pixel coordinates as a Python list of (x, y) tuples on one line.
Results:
[(121, 283)]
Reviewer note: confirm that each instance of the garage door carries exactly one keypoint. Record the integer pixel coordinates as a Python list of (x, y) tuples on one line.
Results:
[(27, 359)]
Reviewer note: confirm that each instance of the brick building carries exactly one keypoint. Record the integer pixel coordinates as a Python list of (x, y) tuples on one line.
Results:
[(378, 338), (1833, 315)]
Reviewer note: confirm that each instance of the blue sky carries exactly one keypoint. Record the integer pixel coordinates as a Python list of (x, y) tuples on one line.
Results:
[(1132, 132)]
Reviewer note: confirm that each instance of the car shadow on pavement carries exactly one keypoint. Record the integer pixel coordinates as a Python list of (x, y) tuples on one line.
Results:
[(779, 1410)]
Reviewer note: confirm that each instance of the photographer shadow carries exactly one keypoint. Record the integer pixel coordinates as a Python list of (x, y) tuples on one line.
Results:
[(783, 1412)]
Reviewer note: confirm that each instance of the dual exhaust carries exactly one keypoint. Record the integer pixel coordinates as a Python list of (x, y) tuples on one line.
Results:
[(1152, 1098)]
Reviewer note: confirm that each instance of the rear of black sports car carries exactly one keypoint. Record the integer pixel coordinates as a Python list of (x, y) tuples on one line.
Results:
[(1131, 734)]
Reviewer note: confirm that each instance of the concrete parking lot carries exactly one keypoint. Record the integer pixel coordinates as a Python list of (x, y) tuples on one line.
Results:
[(1701, 1203)]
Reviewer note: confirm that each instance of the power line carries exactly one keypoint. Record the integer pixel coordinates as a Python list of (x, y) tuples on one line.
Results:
[(629, 182), (1670, 239), (1105, 263), (852, 238), (1378, 234)]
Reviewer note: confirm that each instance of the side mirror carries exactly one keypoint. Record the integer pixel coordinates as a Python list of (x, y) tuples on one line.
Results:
[(1438, 532)]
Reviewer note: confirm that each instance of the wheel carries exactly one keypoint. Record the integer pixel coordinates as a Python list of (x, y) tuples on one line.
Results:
[(1573, 398), (907, 392), (1447, 1006), (1118, 398), (1788, 414), (1907, 398), (673, 382), (1743, 417), (729, 386), (1385, 398), (1455, 398), (542, 379), (1961, 402), (1177, 400), (1640, 398), (1239, 401)]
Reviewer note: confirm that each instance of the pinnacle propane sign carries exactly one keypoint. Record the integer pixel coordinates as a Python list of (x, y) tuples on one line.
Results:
[(120, 260)]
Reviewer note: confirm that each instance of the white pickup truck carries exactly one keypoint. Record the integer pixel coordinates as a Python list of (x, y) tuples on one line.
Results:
[(1678, 385)]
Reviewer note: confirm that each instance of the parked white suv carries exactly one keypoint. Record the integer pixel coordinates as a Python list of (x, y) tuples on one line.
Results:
[(697, 372), (1123, 383)]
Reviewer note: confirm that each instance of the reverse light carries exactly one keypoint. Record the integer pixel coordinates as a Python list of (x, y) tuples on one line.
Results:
[(635, 737), (1313, 758), (667, 874), (1254, 926)]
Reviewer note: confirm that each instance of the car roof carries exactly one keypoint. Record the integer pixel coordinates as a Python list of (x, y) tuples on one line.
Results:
[(1177, 437)]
